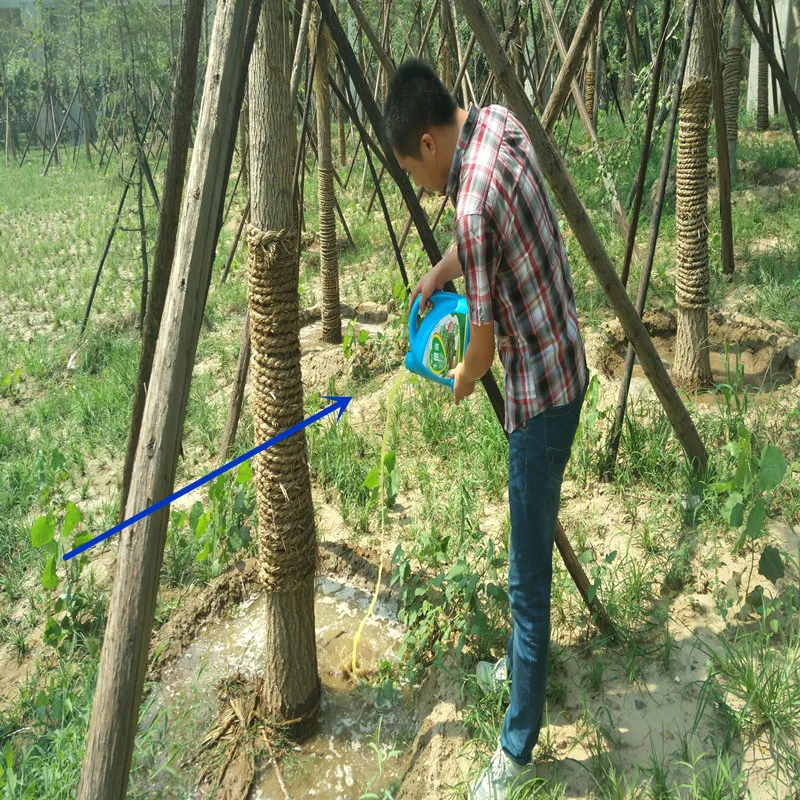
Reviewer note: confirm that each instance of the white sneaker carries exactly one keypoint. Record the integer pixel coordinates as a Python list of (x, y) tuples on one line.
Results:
[(489, 675), (501, 778)]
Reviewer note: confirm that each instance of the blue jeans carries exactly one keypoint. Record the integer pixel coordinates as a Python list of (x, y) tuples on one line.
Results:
[(538, 453)]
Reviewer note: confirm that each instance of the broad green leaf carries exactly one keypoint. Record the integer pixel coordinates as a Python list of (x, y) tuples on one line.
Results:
[(49, 577), (585, 557), (81, 538), (202, 526), (772, 468), (43, 530), (57, 460), (72, 517), (363, 336), (389, 460), (244, 474), (755, 519), (52, 632), (733, 510), (204, 553), (770, 565), (195, 514), (372, 479)]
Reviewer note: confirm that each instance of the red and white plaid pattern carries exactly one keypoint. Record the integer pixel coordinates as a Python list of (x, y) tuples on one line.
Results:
[(515, 264)]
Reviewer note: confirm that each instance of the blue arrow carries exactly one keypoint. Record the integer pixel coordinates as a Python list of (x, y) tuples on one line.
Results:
[(339, 403)]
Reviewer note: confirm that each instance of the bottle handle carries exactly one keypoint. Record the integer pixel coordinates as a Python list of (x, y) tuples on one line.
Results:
[(412, 320)]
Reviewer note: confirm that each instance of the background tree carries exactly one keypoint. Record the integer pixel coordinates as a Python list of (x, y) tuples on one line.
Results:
[(329, 254), (731, 78), (691, 367)]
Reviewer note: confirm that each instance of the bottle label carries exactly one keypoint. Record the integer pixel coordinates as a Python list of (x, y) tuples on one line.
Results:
[(446, 347)]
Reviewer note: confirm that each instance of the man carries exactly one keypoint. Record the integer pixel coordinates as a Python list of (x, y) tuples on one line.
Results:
[(519, 293)]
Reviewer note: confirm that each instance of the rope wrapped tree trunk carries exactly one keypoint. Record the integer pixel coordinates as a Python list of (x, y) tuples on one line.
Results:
[(731, 79), (286, 534), (329, 257), (591, 66), (691, 367), (762, 110)]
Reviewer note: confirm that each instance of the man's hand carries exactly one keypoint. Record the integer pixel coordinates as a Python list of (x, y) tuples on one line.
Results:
[(448, 269), (463, 387), (428, 284)]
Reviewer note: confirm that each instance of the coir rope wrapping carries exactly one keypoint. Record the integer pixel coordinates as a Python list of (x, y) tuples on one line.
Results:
[(692, 196)]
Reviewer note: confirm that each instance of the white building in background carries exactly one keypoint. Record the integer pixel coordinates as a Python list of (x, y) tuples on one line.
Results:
[(787, 14)]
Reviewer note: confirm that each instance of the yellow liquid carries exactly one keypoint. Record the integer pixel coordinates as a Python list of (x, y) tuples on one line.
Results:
[(389, 404)]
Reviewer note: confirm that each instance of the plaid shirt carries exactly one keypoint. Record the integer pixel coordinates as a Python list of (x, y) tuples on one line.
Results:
[(515, 263)]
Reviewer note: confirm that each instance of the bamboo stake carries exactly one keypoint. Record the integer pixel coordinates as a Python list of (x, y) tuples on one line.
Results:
[(647, 140), (723, 162), (229, 262)]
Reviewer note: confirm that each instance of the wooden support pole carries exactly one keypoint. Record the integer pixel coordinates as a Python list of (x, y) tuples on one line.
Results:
[(386, 216), (571, 62), (723, 162), (647, 140), (373, 39), (609, 465), (300, 49), (560, 181), (115, 710), (229, 262)]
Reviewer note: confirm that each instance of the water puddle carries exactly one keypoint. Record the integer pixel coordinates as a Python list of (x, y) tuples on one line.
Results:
[(363, 731)]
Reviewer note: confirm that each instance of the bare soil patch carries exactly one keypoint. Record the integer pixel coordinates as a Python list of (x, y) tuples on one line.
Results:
[(768, 353)]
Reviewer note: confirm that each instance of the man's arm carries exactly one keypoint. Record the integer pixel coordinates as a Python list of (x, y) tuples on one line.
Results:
[(480, 351)]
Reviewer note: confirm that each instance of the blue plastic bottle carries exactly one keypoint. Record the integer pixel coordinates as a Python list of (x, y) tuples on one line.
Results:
[(440, 340)]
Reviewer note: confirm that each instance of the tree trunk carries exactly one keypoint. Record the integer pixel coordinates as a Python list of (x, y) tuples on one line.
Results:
[(762, 112), (329, 258), (286, 532), (123, 662), (597, 68), (691, 368), (731, 78), (169, 211), (590, 75), (445, 56)]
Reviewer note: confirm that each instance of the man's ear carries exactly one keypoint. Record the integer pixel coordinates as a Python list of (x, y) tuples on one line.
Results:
[(427, 144)]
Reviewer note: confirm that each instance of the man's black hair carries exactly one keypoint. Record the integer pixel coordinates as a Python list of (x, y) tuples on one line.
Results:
[(416, 101)]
